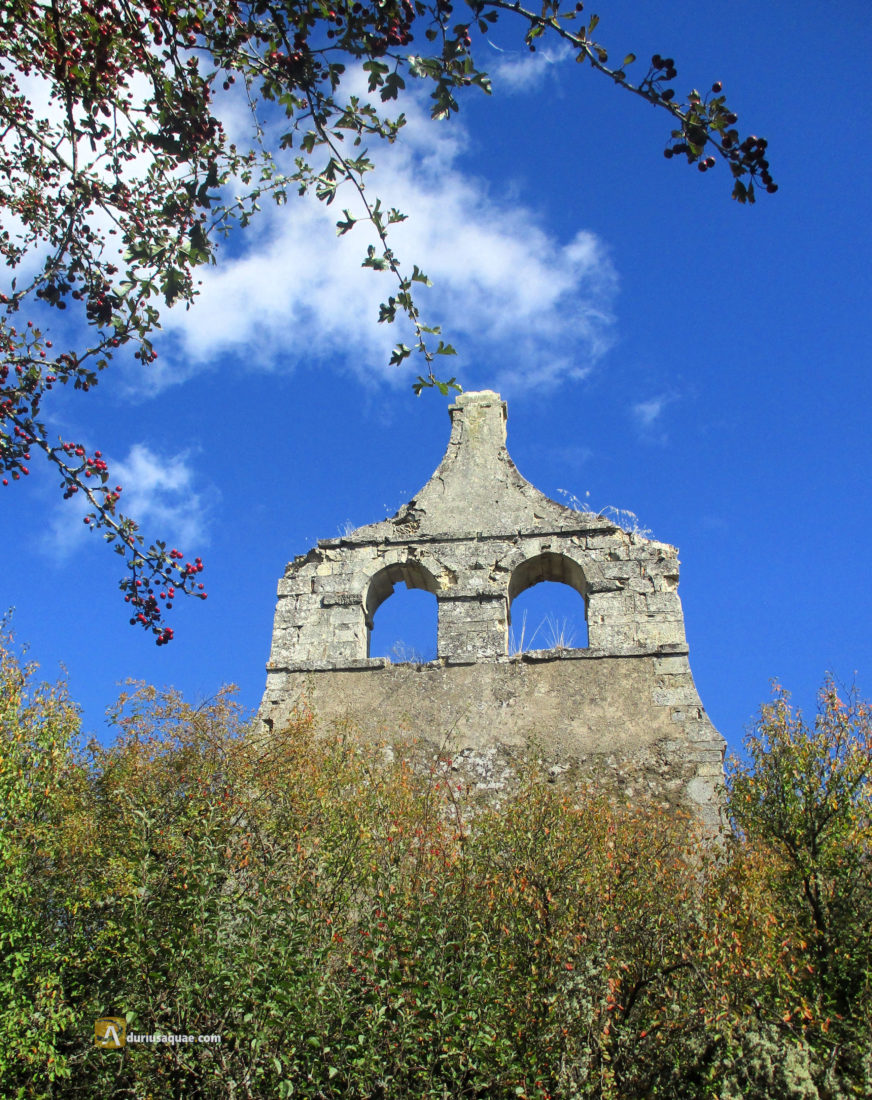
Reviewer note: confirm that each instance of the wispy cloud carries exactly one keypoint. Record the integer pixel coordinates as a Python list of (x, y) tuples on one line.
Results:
[(523, 308), (160, 491), (646, 412), (648, 415), (522, 72)]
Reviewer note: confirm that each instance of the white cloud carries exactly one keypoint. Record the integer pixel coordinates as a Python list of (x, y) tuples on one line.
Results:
[(522, 72), (647, 412), (159, 491), (523, 308), (648, 417)]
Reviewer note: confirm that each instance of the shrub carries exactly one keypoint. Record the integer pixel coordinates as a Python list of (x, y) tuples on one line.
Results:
[(352, 928)]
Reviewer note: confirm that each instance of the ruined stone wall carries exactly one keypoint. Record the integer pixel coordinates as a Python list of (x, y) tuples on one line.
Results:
[(625, 708)]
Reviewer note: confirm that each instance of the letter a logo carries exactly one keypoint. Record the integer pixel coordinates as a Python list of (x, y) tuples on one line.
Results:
[(110, 1032)]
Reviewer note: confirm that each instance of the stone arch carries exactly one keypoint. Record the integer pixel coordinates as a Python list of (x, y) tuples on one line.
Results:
[(547, 565), (381, 585)]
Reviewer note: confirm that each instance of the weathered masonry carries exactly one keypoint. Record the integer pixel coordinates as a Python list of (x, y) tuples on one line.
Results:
[(624, 710)]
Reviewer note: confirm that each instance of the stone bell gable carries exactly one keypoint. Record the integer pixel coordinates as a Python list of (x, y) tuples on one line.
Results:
[(624, 709)]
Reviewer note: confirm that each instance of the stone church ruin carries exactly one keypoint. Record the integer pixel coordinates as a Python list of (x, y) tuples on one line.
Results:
[(622, 711)]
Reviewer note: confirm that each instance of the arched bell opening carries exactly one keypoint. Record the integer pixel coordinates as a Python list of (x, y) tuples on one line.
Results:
[(547, 604), (401, 614)]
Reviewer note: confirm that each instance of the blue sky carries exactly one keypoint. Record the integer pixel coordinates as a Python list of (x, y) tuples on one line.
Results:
[(662, 349)]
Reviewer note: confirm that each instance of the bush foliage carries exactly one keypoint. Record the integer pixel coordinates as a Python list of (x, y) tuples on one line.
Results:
[(351, 928)]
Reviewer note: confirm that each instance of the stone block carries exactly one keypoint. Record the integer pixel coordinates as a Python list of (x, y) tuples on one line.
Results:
[(675, 697), (672, 664), (663, 603), (621, 570)]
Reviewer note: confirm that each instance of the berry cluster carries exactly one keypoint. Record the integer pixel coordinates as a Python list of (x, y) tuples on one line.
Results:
[(156, 575), (21, 384), (15, 453), (398, 31), (151, 598), (753, 155), (664, 67), (708, 120), (76, 464)]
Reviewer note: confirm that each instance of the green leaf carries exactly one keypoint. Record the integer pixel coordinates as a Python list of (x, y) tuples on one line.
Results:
[(377, 263), (172, 285), (200, 249), (344, 225), (393, 85)]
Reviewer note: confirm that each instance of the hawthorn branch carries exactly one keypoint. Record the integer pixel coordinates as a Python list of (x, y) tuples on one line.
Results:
[(700, 123)]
